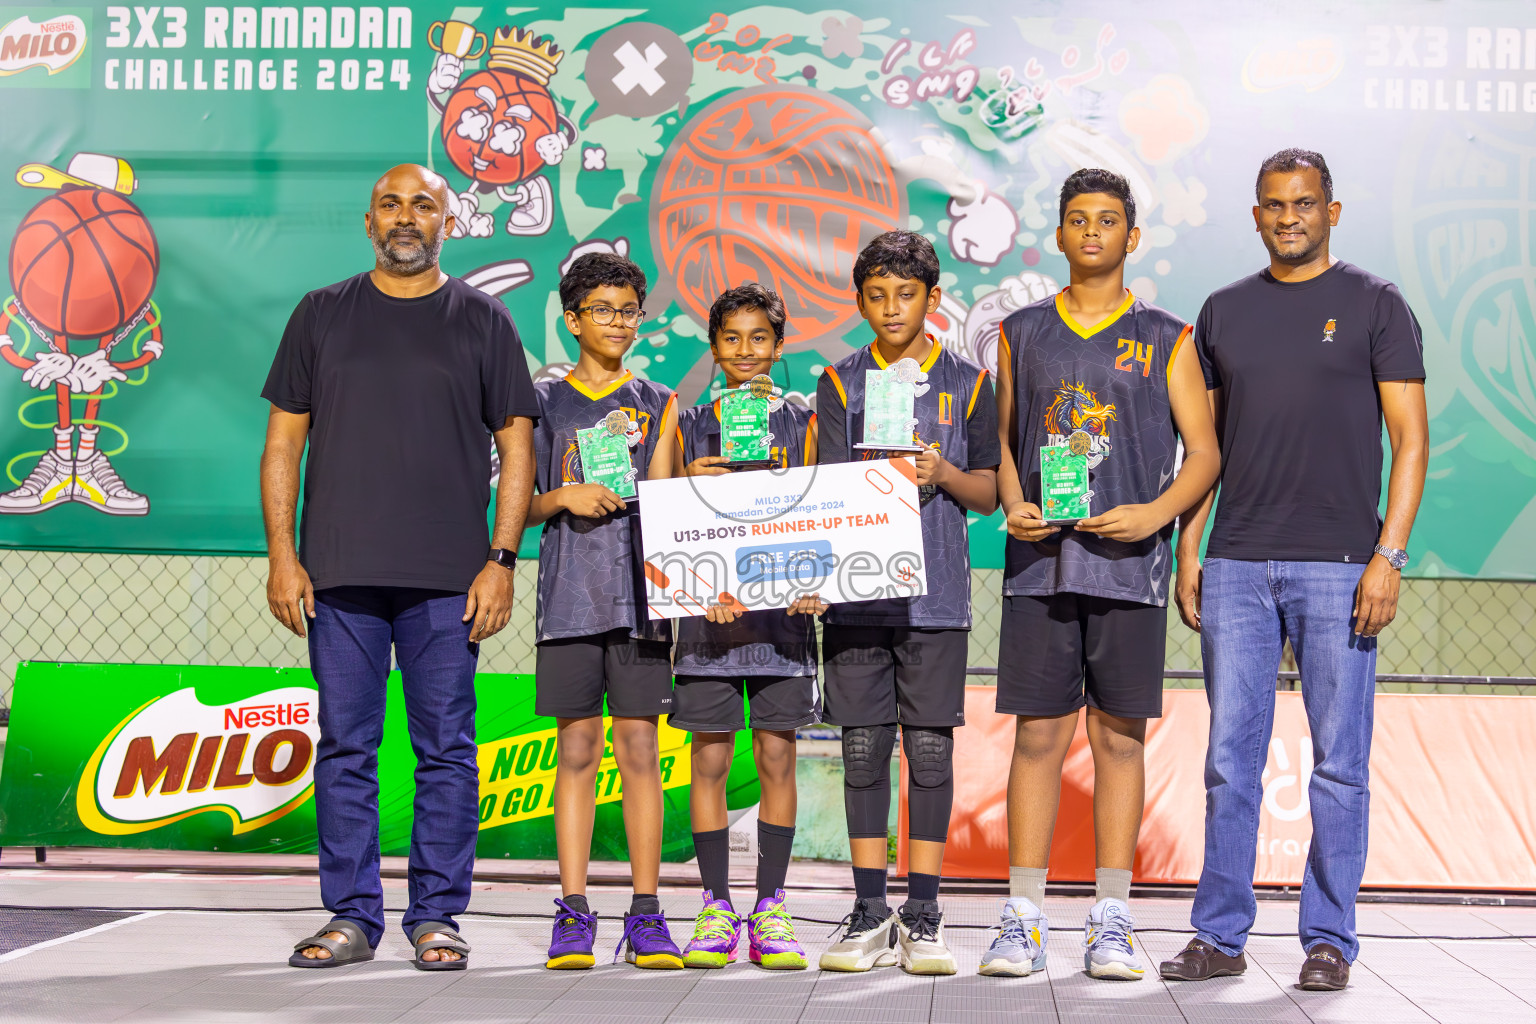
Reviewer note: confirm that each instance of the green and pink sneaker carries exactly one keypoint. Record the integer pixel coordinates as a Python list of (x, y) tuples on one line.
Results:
[(716, 931), (771, 933)]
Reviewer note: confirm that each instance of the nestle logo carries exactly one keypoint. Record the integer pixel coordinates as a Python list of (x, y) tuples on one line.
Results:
[(252, 716)]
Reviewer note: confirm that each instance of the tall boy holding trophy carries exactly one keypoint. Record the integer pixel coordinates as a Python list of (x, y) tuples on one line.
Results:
[(1096, 388)]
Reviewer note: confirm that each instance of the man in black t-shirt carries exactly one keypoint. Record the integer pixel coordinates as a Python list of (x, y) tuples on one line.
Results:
[(1303, 362), (397, 379)]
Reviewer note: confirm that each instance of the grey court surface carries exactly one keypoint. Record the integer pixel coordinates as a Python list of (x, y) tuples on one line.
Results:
[(130, 958)]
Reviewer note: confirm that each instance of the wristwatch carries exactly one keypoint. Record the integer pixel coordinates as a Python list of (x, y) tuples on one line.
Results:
[(507, 558), (1396, 557)]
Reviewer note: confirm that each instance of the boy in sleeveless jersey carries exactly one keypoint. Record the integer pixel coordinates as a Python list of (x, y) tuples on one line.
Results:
[(1084, 606), (901, 660), (769, 655), (594, 638)]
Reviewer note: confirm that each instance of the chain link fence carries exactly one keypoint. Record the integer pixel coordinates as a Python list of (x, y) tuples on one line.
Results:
[(1450, 636)]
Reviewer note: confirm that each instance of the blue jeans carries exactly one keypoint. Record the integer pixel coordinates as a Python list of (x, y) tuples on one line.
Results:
[(349, 642), (1247, 611)]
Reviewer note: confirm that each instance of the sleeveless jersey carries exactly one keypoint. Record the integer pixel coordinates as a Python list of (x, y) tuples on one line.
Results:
[(958, 415), (590, 576), (1112, 383), (760, 643)]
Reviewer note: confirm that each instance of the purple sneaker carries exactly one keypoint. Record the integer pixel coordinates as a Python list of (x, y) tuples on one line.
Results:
[(771, 933), (570, 948), (647, 943), (716, 931)]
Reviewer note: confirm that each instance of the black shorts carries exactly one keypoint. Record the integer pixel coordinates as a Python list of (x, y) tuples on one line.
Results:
[(1057, 653), (573, 674), (713, 704), (881, 674)]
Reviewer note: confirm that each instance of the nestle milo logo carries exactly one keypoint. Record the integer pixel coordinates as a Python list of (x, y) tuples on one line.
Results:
[(176, 756), (53, 43)]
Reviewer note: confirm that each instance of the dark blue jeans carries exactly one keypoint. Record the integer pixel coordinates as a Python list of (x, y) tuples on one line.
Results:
[(349, 643), (1247, 610)]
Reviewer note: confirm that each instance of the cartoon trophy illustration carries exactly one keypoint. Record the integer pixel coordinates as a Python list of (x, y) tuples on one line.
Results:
[(500, 125)]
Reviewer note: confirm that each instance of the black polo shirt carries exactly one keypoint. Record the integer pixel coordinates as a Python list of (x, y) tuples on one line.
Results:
[(402, 395), (1299, 366)]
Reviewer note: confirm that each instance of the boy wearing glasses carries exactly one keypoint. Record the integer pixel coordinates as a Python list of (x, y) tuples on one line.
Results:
[(594, 639)]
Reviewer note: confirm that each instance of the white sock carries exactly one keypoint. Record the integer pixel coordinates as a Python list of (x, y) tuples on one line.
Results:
[(62, 438), (1028, 883), (87, 442), (1111, 884)]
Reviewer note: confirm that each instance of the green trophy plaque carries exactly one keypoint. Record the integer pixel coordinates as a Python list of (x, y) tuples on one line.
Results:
[(1064, 491), (605, 454), (744, 435), (890, 400)]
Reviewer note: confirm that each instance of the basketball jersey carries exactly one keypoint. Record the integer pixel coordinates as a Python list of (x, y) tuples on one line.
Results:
[(760, 643), (590, 569), (1112, 384), (958, 416)]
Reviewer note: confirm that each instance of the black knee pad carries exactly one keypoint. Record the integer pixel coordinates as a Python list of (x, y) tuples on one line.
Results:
[(930, 755), (867, 755)]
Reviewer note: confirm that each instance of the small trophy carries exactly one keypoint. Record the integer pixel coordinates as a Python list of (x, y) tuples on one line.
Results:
[(1064, 491), (890, 397), (744, 435), (605, 455)]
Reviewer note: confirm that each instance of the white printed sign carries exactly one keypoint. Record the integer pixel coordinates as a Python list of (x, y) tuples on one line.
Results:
[(764, 538)]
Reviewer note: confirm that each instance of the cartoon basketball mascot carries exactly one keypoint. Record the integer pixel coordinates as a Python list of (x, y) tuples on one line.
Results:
[(83, 265), (500, 125)]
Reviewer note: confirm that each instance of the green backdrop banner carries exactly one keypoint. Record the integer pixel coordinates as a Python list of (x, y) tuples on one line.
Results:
[(211, 758), (177, 177)]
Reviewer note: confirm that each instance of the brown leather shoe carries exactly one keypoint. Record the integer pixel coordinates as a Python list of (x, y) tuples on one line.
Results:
[(1325, 969), (1201, 960)]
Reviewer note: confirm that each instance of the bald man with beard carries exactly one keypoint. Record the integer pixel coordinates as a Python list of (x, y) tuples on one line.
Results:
[(397, 379)]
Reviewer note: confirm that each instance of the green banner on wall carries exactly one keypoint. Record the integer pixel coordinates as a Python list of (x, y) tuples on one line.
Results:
[(174, 178), (211, 758)]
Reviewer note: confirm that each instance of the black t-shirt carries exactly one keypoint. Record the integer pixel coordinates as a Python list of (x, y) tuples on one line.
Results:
[(1301, 441), (402, 395)]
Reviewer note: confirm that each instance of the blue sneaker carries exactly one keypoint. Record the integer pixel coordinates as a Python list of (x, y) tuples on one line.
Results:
[(1109, 942), (647, 943), (1019, 949), (570, 947)]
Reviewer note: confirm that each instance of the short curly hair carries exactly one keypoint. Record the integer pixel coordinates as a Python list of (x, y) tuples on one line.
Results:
[(1092, 180), (902, 254), (1294, 160), (748, 296), (595, 270)]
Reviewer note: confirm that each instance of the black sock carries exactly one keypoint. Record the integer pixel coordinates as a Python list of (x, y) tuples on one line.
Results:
[(774, 843), (644, 903), (578, 904), (714, 850), (922, 887), (869, 883)]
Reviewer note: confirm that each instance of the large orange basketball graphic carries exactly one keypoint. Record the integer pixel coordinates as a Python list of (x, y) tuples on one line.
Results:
[(779, 184), (486, 158), (83, 262)]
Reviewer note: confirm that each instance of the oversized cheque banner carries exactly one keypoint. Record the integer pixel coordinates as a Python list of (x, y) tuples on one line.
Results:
[(212, 758), (849, 532)]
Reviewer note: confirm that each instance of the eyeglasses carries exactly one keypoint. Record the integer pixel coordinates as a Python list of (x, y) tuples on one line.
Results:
[(603, 315)]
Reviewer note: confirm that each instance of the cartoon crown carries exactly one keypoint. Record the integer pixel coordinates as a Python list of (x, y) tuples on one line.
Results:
[(521, 51)]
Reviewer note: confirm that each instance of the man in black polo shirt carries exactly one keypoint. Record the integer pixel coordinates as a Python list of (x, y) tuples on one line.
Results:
[(1303, 362), (396, 378)]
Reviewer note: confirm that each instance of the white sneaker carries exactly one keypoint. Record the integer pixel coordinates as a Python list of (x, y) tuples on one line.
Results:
[(867, 941), (920, 945), (1109, 942), (98, 485), (1019, 949), (49, 484)]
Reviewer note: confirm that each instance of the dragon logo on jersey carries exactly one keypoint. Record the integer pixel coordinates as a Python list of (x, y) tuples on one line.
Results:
[(1075, 409)]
